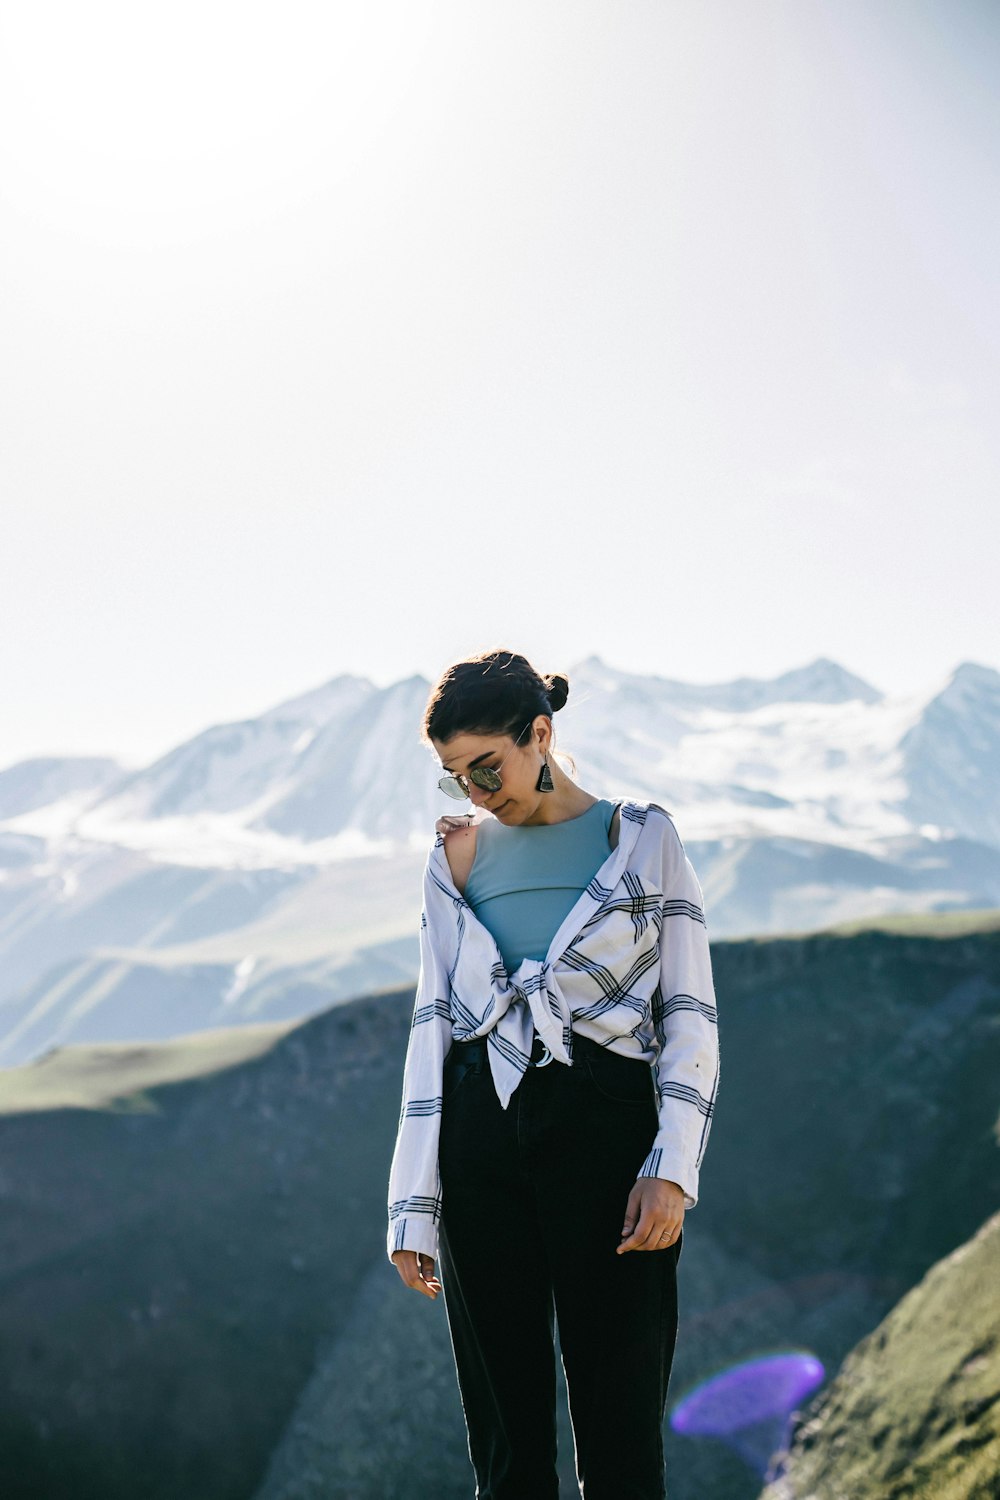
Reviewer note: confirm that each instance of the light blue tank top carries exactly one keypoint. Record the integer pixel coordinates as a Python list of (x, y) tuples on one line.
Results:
[(524, 882)]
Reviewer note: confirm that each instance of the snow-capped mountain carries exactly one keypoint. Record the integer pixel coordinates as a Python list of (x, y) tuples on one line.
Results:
[(263, 867), (950, 763), (242, 767), (45, 780), (815, 753)]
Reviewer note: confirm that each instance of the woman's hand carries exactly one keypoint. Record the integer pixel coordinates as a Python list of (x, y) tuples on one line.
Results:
[(654, 1215), (417, 1271), (453, 820)]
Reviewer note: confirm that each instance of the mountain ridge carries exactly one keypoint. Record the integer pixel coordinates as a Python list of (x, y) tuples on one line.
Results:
[(185, 1253), (264, 868), (801, 745)]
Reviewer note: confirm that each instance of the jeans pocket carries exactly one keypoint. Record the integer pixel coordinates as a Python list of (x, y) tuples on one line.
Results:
[(456, 1069), (624, 1080)]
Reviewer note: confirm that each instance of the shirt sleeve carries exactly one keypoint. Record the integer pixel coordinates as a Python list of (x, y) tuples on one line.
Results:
[(414, 1178), (685, 1021)]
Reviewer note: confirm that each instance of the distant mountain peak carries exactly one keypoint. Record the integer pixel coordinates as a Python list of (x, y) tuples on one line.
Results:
[(976, 674), (319, 704), (824, 680), (591, 663), (44, 779), (820, 681), (970, 685)]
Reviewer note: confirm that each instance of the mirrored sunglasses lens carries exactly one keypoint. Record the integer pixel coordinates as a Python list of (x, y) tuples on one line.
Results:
[(453, 788), (487, 779)]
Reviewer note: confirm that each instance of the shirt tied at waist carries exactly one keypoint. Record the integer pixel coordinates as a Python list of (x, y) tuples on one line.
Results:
[(530, 1002)]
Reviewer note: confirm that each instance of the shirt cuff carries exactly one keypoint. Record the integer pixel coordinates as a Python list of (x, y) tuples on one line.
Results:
[(413, 1234), (671, 1167)]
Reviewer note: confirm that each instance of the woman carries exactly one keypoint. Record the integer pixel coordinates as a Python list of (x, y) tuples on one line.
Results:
[(559, 1088)]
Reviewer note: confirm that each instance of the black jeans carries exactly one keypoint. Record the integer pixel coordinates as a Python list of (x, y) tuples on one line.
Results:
[(533, 1200)]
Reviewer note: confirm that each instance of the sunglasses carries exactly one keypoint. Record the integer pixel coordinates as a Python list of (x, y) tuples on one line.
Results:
[(481, 776)]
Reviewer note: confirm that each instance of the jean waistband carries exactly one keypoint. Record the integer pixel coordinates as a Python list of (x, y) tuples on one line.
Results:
[(477, 1045)]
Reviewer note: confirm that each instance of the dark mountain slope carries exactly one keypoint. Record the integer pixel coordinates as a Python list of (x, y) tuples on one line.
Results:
[(171, 1258), (187, 1245)]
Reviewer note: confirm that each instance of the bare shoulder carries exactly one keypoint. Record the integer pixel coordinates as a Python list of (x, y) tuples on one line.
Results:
[(460, 851)]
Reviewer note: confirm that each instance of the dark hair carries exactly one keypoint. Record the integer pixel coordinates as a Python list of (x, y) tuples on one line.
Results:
[(497, 692)]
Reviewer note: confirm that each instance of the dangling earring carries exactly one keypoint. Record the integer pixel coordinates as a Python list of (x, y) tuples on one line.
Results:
[(545, 782)]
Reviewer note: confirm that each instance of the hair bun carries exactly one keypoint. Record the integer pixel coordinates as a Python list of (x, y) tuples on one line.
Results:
[(557, 687)]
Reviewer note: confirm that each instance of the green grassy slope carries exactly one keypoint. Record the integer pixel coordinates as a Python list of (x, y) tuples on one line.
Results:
[(914, 1413), (112, 1075)]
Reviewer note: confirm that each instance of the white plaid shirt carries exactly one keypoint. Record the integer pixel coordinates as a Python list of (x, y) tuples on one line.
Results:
[(629, 967)]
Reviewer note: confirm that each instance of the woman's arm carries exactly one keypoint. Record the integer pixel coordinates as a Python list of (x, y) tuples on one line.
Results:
[(414, 1179), (685, 1020)]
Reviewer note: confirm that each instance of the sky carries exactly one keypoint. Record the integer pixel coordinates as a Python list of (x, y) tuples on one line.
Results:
[(342, 338)]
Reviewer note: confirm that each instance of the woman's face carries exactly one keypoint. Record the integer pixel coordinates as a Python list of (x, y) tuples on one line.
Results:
[(518, 766)]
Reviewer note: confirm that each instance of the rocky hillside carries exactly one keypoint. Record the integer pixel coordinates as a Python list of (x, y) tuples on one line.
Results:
[(914, 1413), (194, 1295)]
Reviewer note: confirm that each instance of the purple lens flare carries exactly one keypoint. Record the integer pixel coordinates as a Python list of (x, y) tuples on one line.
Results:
[(749, 1406)]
